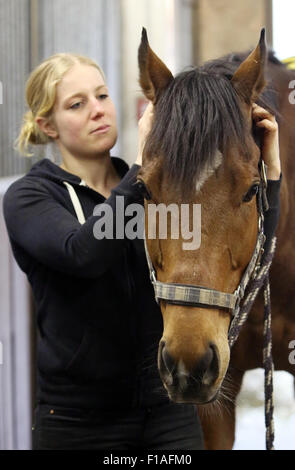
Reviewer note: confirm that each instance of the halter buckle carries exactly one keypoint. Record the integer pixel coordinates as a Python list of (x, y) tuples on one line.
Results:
[(263, 173)]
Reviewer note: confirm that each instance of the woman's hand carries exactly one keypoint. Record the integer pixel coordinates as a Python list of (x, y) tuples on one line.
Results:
[(270, 145), (144, 127)]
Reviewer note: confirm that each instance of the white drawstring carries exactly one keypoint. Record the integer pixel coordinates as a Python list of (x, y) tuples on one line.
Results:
[(76, 203)]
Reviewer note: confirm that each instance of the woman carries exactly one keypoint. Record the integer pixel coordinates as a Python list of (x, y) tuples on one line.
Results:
[(98, 384)]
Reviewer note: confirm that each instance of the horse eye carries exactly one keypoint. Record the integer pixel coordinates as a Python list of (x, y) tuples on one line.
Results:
[(143, 189), (251, 193)]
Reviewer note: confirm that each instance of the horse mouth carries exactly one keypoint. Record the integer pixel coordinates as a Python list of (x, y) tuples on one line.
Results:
[(190, 394)]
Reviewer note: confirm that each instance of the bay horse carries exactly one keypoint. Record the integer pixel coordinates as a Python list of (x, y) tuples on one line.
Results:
[(202, 149)]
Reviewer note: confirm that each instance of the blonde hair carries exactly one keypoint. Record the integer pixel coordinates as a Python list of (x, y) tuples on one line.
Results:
[(41, 95)]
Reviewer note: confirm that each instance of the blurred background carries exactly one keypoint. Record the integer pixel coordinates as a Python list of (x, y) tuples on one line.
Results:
[(182, 33)]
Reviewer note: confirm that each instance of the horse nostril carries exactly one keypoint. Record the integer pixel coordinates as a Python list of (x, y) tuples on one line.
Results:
[(212, 370), (168, 361)]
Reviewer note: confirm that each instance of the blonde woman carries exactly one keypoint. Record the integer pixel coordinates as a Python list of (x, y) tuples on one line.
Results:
[(98, 384)]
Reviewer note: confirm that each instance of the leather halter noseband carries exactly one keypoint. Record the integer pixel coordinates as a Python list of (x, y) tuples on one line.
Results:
[(199, 296)]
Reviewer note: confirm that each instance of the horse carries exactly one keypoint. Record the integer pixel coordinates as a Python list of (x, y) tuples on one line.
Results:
[(203, 149)]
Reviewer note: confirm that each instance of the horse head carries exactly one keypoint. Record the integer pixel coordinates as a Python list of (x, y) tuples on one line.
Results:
[(200, 151)]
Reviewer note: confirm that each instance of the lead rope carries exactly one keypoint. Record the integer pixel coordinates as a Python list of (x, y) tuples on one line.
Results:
[(261, 279), (268, 369)]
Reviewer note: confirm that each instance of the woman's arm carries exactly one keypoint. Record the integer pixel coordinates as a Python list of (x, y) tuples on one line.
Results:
[(40, 225), (271, 157)]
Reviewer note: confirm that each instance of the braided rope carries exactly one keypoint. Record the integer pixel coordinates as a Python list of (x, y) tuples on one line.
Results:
[(268, 369), (260, 279)]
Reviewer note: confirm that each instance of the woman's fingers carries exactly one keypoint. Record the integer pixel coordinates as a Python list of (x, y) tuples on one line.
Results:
[(145, 122), (267, 124), (144, 128), (264, 119), (270, 148), (259, 113), (148, 111)]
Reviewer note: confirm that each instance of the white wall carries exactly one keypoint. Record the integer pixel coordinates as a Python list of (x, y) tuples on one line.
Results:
[(14, 65), (15, 369), (283, 28)]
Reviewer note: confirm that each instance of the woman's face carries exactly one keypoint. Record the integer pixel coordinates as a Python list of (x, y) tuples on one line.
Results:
[(84, 115)]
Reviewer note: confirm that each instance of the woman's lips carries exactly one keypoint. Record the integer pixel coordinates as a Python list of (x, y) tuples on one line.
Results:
[(101, 130)]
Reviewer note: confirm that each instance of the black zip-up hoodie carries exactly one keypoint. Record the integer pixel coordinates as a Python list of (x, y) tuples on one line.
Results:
[(99, 323), (98, 320)]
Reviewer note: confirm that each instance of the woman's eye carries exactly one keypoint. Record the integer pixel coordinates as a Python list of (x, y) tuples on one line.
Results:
[(251, 193), (75, 105), (79, 103)]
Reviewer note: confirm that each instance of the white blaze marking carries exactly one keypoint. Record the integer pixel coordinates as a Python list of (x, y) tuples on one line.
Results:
[(208, 171)]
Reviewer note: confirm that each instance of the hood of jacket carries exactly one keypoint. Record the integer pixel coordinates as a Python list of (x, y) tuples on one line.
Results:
[(45, 168)]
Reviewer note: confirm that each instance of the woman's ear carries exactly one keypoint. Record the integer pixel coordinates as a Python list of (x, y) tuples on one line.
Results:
[(47, 126)]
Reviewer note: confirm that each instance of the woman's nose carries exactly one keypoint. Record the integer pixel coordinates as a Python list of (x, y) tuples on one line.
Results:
[(97, 108)]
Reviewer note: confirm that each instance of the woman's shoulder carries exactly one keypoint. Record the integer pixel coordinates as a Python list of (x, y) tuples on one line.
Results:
[(43, 177), (19, 195), (22, 185)]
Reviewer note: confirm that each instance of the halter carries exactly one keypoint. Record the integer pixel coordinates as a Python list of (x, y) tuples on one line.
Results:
[(254, 277)]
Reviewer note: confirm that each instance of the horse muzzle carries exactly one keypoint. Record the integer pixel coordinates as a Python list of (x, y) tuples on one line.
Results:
[(197, 385)]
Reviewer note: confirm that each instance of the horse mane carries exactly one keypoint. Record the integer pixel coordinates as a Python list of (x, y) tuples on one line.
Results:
[(196, 116), (240, 56)]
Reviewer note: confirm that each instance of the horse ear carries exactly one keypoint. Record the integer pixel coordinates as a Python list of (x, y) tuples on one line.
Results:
[(248, 80), (154, 76)]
